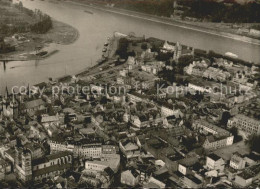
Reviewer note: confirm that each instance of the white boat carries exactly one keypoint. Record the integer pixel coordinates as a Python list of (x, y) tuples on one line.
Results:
[(230, 54)]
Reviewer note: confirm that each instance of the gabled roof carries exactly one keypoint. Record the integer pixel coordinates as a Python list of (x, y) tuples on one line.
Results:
[(34, 103), (50, 157), (188, 161), (132, 172)]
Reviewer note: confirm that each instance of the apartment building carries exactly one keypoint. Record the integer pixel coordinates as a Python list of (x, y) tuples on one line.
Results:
[(245, 123)]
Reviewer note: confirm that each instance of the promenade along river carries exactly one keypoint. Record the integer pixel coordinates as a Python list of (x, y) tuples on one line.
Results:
[(94, 30)]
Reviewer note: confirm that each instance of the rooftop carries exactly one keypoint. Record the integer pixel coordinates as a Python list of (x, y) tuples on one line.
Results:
[(250, 172), (214, 157), (50, 157), (130, 146), (194, 179), (111, 161), (215, 128), (34, 103)]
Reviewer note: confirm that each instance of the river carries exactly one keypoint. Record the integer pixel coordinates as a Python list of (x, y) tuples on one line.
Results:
[(94, 30)]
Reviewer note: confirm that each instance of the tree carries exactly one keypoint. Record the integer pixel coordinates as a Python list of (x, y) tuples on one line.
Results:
[(144, 46), (225, 117), (253, 143), (189, 142), (234, 132), (122, 48), (66, 118), (184, 61), (103, 100)]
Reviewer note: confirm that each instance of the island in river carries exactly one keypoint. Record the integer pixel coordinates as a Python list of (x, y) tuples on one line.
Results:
[(26, 37)]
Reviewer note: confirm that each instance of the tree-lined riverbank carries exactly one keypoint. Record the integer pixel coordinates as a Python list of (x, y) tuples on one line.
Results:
[(205, 27), (30, 40)]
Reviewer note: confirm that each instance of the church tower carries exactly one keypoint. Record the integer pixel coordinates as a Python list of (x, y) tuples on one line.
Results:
[(9, 106), (1, 108), (14, 108), (26, 166), (177, 51), (5, 102)]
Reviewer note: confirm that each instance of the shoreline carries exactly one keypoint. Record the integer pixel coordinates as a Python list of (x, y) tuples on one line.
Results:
[(56, 35), (168, 21)]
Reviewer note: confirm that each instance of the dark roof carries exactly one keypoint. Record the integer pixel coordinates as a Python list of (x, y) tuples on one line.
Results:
[(51, 169), (134, 172), (109, 172), (188, 161), (250, 172), (194, 179), (143, 118), (171, 117), (50, 157), (214, 157)]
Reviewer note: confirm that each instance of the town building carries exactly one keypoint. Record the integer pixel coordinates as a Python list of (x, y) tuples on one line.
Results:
[(48, 121), (34, 105), (245, 123), (84, 150), (207, 128), (214, 162), (215, 142), (88, 150), (136, 97), (237, 161), (191, 181), (130, 147), (104, 161), (247, 176), (177, 51), (52, 165), (167, 47), (130, 177)]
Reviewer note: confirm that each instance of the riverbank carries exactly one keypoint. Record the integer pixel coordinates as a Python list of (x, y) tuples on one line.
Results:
[(32, 44), (205, 28)]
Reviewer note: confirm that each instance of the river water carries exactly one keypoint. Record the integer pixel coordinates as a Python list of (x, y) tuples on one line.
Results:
[(94, 30)]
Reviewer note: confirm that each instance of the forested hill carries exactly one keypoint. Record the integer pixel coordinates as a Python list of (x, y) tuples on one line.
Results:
[(222, 12), (227, 11), (14, 18)]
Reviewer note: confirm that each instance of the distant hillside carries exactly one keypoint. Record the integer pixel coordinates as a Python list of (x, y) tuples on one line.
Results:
[(229, 11)]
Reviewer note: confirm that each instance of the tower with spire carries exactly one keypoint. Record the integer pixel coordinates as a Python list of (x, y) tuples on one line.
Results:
[(177, 51), (9, 105)]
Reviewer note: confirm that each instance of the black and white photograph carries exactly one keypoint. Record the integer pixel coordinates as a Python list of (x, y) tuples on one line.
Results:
[(130, 94)]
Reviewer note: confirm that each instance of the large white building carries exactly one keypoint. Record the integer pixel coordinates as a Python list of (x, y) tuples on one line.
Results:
[(237, 161), (86, 150), (208, 128), (246, 124), (106, 160), (214, 162)]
